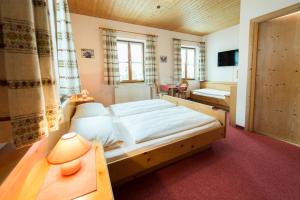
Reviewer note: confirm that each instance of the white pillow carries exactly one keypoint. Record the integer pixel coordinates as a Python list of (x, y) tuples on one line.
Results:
[(90, 110), (99, 128)]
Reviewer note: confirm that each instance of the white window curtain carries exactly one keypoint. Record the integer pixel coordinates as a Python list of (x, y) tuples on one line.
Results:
[(111, 64), (151, 72), (177, 60), (69, 82), (201, 68), (29, 104)]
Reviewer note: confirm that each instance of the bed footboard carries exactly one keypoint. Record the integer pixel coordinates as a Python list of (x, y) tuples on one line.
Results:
[(127, 169), (228, 104), (206, 109)]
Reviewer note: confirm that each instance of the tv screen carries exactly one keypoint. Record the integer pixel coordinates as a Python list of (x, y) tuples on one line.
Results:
[(228, 58)]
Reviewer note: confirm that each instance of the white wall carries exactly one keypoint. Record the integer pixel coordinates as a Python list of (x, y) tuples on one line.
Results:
[(249, 10), (87, 35), (131, 92), (223, 40)]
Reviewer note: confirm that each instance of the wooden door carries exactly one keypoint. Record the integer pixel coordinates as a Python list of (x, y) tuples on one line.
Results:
[(277, 86)]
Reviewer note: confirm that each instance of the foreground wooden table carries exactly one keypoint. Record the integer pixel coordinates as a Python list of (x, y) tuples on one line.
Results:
[(38, 173)]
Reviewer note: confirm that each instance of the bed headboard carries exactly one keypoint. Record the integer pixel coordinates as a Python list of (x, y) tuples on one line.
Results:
[(68, 109), (218, 85)]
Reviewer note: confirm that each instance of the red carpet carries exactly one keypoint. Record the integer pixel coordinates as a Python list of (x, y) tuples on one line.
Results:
[(243, 166)]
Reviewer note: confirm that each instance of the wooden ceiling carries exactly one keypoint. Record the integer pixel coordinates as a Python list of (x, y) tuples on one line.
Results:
[(199, 17)]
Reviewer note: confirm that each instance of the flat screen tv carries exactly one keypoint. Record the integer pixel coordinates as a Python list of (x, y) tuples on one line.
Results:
[(228, 58)]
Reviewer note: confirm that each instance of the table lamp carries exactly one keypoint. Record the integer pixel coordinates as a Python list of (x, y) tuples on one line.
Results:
[(68, 151), (84, 94)]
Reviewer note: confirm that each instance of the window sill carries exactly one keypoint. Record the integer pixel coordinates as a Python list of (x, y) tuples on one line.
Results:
[(188, 79), (132, 82)]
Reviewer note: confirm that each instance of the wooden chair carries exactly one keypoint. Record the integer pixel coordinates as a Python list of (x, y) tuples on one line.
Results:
[(182, 89)]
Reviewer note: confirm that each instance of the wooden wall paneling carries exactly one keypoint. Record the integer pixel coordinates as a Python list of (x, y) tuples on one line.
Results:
[(277, 79), (253, 39)]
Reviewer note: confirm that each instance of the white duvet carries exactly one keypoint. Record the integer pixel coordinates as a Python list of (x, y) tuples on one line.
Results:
[(151, 125), (136, 107), (211, 93)]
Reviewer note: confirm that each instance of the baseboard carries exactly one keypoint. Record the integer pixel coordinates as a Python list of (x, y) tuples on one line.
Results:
[(239, 127)]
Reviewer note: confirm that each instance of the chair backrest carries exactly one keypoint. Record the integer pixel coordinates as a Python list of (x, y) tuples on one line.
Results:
[(183, 85)]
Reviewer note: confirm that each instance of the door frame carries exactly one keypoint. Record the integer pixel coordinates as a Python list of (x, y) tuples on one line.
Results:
[(252, 63)]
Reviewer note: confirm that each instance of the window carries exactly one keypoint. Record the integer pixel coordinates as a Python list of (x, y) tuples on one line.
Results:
[(188, 63), (131, 61)]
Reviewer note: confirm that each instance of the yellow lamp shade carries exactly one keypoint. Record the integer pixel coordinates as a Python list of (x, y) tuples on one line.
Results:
[(71, 146)]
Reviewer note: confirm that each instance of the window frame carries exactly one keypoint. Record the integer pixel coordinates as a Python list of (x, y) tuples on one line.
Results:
[(195, 63), (130, 62)]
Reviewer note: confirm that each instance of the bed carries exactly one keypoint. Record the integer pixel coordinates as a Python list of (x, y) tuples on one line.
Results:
[(208, 92), (218, 94), (157, 132)]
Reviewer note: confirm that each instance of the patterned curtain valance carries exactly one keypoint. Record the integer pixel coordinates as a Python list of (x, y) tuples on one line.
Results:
[(201, 73), (69, 82), (29, 105), (111, 63), (151, 72), (177, 60)]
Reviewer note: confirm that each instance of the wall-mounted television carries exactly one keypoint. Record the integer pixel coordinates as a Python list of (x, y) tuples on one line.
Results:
[(228, 58)]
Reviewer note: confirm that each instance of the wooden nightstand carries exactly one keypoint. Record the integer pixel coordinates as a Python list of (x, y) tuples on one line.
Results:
[(35, 179), (80, 100)]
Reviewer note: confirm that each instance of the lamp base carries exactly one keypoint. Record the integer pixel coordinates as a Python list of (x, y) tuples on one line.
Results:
[(71, 167)]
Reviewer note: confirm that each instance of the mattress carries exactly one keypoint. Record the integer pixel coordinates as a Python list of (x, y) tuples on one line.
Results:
[(160, 123), (136, 107), (130, 148), (219, 94)]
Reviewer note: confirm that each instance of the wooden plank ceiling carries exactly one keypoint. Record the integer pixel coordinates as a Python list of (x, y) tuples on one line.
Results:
[(199, 17)]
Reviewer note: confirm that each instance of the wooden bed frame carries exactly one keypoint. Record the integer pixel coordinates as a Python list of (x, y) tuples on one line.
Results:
[(228, 104), (128, 168)]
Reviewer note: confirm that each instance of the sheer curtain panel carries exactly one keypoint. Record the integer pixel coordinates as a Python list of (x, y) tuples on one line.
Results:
[(69, 82)]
